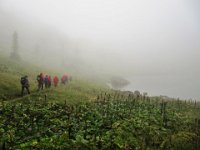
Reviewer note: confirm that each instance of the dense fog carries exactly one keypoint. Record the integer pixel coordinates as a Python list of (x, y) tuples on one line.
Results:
[(153, 44)]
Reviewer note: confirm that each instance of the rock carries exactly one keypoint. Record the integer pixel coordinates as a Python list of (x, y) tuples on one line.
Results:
[(118, 82)]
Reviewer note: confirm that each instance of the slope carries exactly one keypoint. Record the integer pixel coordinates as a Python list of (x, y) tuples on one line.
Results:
[(10, 88)]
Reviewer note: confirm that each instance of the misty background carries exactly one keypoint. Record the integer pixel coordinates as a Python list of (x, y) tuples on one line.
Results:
[(153, 44)]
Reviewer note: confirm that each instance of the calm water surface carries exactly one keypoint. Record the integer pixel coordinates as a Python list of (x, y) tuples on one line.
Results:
[(172, 86)]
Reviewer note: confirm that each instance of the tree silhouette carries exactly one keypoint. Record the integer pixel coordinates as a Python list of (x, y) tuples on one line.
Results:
[(15, 54)]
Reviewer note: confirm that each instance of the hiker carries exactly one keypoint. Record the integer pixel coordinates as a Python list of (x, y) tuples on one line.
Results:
[(46, 81), (40, 79), (55, 81), (64, 79), (25, 84), (49, 81)]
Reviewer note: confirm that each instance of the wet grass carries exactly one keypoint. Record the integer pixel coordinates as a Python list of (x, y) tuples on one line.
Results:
[(10, 88)]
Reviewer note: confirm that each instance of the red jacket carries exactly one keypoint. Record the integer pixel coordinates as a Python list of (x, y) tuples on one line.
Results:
[(64, 78), (49, 78), (55, 79)]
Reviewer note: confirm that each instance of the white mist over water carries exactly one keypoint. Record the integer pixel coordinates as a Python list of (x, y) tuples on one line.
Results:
[(173, 86), (155, 44)]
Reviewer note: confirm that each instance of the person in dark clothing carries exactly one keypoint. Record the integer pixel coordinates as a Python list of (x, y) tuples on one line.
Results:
[(40, 79), (46, 81), (25, 85)]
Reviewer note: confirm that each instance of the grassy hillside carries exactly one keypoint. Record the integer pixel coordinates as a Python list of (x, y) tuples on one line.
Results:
[(10, 87), (10, 74), (87, 115)]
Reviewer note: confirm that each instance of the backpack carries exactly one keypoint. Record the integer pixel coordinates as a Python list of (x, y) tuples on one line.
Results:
[(23, 80), (46, 79), (38, 78)]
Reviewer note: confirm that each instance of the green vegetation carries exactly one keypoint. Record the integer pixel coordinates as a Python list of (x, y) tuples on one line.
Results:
[(11, 72), (112, 121), (88, 115)]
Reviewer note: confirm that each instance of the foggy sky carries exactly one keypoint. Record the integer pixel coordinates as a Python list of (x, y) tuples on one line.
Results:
[(146, 38)]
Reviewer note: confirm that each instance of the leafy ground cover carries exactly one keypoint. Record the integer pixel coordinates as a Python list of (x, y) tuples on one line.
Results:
[(112, 121), (88, 115)]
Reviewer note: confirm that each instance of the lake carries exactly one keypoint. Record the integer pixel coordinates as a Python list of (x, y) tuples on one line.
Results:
[(184, 87)]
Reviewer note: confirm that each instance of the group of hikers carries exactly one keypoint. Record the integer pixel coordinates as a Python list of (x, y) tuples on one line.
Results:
[(43, 81)]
